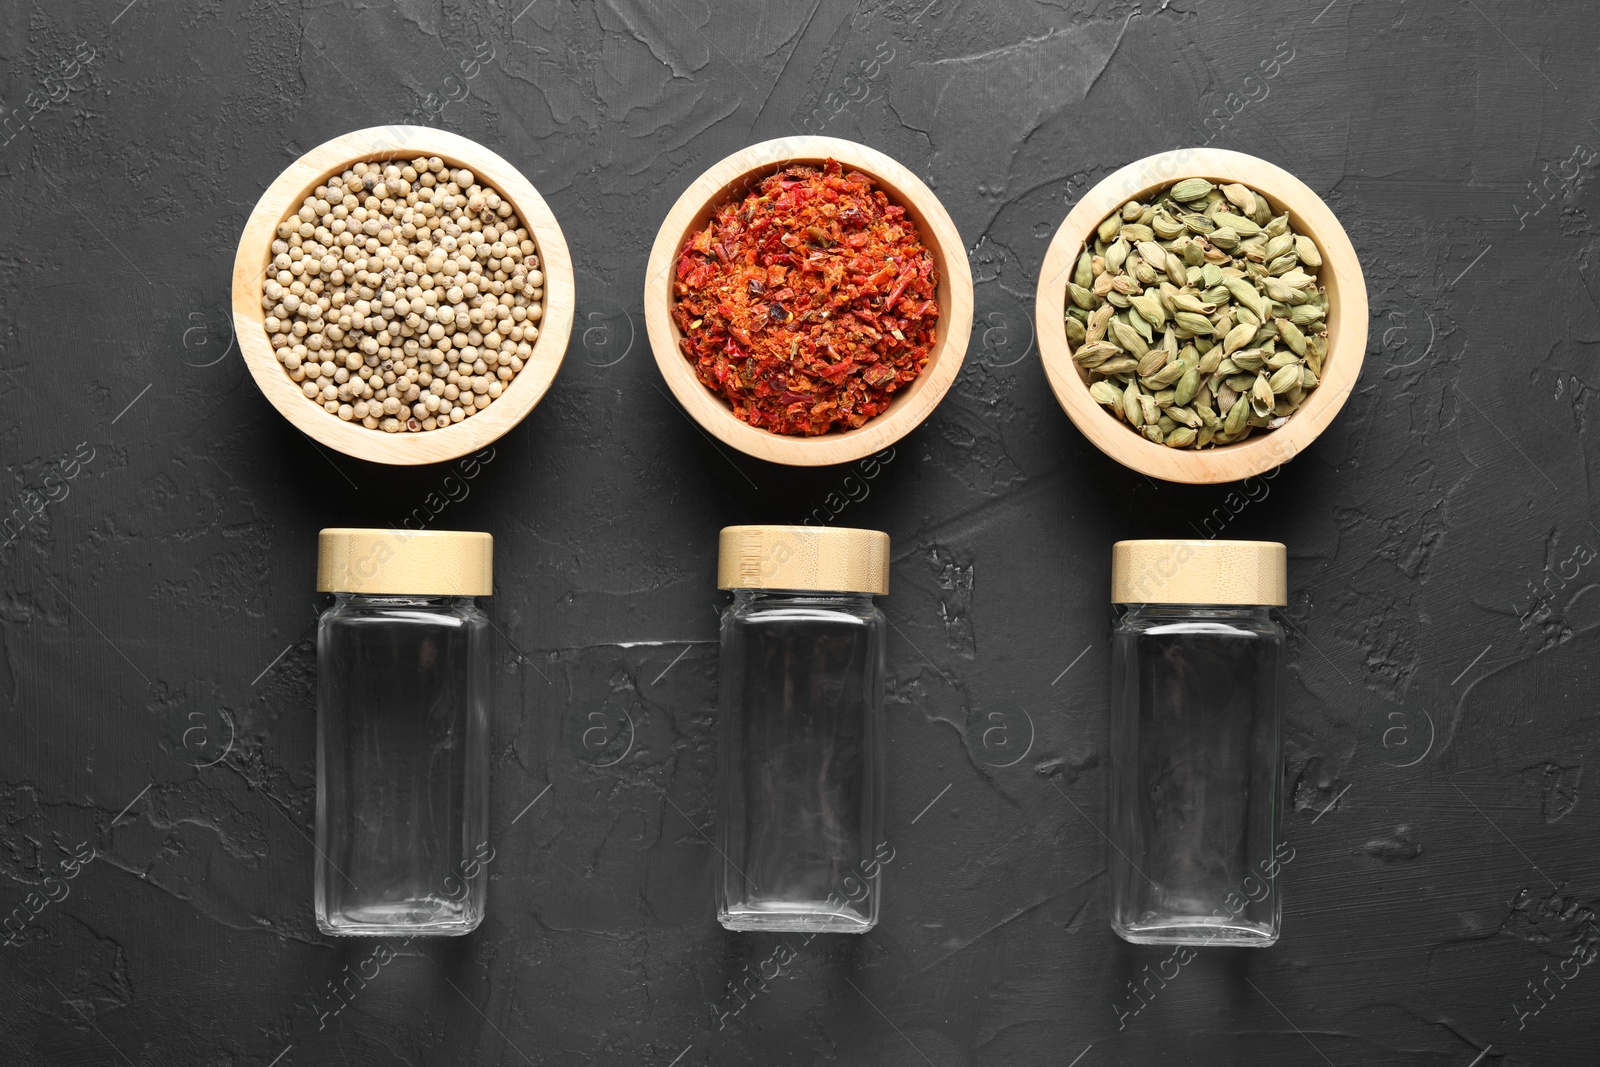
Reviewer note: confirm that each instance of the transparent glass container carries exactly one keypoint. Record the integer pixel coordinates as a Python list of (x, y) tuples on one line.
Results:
[(800, 804), (402, 765), (1196, 761), (800, 800), (1197, 741)]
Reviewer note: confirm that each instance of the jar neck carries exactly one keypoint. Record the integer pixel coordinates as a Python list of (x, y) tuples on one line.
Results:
[(401, 600), (1256, 612), (774, 596)]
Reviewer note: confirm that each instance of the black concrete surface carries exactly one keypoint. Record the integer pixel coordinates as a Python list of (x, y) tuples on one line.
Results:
[(157, 759)]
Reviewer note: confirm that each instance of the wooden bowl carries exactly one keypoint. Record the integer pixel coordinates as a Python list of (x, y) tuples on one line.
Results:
[(1340, 275), (737, 176), (401, 143)]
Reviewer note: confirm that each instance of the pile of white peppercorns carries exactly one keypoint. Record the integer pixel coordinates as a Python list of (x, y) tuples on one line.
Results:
[(403, 296)]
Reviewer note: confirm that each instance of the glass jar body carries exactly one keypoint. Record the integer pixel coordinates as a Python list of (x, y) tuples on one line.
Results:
[(1196, 746), (800, 800), (402, 765)]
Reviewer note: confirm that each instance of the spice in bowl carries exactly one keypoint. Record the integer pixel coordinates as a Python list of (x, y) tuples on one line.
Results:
[(1198, 316), (403, 296), (809, 303)]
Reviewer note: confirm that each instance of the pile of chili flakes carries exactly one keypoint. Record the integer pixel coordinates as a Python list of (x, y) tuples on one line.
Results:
[(809, 303)]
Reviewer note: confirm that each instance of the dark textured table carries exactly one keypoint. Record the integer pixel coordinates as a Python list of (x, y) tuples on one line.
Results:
[(158, 603)]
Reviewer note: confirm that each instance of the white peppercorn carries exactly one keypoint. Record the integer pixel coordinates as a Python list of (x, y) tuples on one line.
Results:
[(388, 274)]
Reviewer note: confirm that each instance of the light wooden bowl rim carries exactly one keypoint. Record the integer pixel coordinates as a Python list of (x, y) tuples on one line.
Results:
[(402, 143), (1340, 274), (911, 406)]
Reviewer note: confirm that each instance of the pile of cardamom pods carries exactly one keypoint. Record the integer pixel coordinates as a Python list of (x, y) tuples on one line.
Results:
[(1198, 316)]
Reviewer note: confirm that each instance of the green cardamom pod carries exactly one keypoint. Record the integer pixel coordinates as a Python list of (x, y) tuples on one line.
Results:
[(1283, 265), (1282, 291), (1167, 375), (1213, 331), (1106, 393), (1142, 325), (1149, 305), (1152, 361), (1083, 274), (1182, 437), (1190, 189), (1236, 416), (1132, 410), (1184, 417), (1240, 197), (1306, 314), (1242, 225), (1116, 255), (1277, 246), (1165, 226), (1098, 318), (1284, 379), (1246, 295), (1148, 409), (1261, 400), (1225, 237), (1128, 338), (1095, 353), (1188, 383), (1249, 360), (1238, 337), (1292, 335)]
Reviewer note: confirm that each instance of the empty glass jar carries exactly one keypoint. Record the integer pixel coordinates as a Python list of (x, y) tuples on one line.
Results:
[(1197, 664), (799, 816), (402, 723)]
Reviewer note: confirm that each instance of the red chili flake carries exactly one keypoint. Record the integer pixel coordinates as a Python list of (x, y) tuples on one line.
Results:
[(809, 303)]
